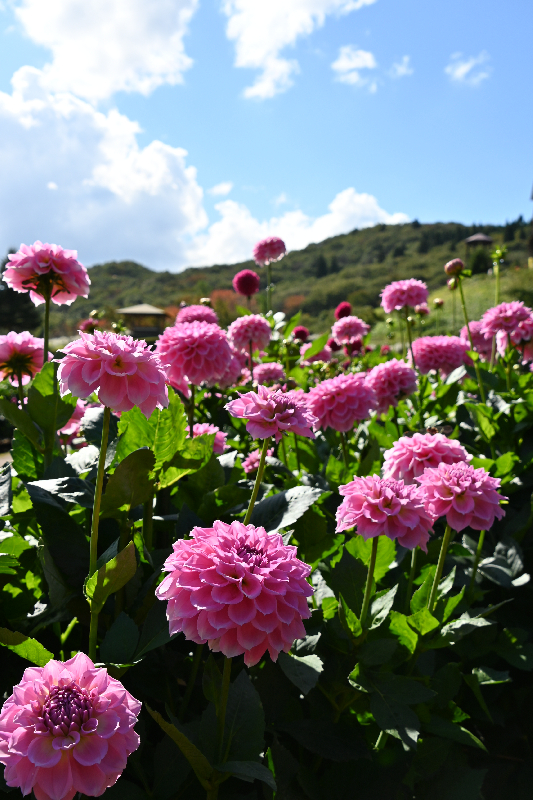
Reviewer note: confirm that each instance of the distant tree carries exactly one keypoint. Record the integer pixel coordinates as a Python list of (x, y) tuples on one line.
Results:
[(415, 224), (17, 312), (334, 266), (508, 232), (424, 243), (480, 261), (321, 267), (399, 250)]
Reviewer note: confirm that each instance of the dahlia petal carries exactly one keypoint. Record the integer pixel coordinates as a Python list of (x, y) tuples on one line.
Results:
[(90, 750), (41, 752), (56, 782), (242, 612), (90, 780), (108, 722)]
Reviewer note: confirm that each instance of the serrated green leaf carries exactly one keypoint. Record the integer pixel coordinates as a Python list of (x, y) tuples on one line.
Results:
[(423, 622), (111, 577), (439, 726), (381, 605), (25, 647), (303, 671), (130, 485), (420, 598), (400, 628)]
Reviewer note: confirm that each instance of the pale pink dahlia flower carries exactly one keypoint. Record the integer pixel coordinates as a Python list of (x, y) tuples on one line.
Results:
[(246, 282), (270, 249), (399, 294), (480, 342), (21, 355), (391, 381), (124, 371), (269, 372), (67, 728), (378, 506), (219, 445), (444, 353), (252, 328), (194, 352), (505, 317), (466, 496), (339, 402), (197, 314), (411, 455), (72, 428), (348, 330), (251, 462), (47, 269), (272, 413), (322, 355)]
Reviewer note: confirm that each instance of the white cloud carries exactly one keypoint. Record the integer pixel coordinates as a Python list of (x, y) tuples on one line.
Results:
[(281, 199), (52, 185), (221, 188), (470, 71), (402, 68), (261, 29), (349, 64), (104, 46)]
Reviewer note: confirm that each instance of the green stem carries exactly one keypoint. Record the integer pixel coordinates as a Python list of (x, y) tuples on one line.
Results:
[(381, 740), (20, 389), (496, 268), (190, 412), (93, 557), (410, 582), (344, 448), (440, 567), (477, 559), (297, 449), (269, 287), (284, 451), (258, 479), (148, 522), (46, 327), (493, 353), (454, 317), (476, 365), (395, 417), (410, 338), (369, 580), (400, 323), (221, 719), (197, 660)]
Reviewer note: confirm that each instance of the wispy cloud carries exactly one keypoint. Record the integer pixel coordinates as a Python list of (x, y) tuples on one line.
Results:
[(470, 71), (221, 189), (281, 199), (349, 64), (402, 68)]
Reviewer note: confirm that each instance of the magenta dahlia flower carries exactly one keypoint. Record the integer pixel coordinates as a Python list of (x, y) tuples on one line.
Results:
[(333, 345), (197, 314), (246, 282), (21, 356), (252, 328), (454, 267), (219, 445), (47, 270), (391, 381), (348, 330), (480, 342), (505, 317), (300, 333), (271, 413), (411, 455), (444, 353), (268, 250), (399, 294), (344, 309), (466, 496), (124, 370), (378, 506), (269, 372), (67, 728), (322, 355), (251, 462), (194, 352), (89, 325), (339, 402)]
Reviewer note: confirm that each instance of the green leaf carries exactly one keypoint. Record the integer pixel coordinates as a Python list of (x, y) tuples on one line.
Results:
[(111, 577), (120, 641), (381, 605), (451, 604), (45, 406), (291, 324), (27, 460), (72, 490), (378, 651), (317, 345), (400, 628), (395, 718), (193, 456), (27, 648), (21, 420), (473, 683), (511, 646), (446, 584), (212, 682), (201, 766), (439, 726), (303, 671), (249, 771), (349, 619), (359, 548), (8, 564), (505, 464), (245, 721), (93, 423), (155, 632), (489, 677), (170, 430), (284, 508), (130, 484), (420, 598), (423, 622), (480, 414)]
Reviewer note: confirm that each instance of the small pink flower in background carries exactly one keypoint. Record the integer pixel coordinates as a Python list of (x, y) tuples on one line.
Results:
[(322, 355), (20, 353), (400, 294), (377, 507), (339, 402), (41, 268), (384, 350), (73, 427), (197, 314), (268, 372), (454, 267), (466, 496), (411, 455), (251, 328), (251, 462), (238, 588), (272, 413), (444, 353), (219, 445), (422, 309), (89, 325), (438, 302), (194, 352), (334, 345), (246, 282), (67, 728), (349, 330), (481, 343), (344, 309), (124, 371), (300, 333), (268, 250), (505, 317), (391, 381)]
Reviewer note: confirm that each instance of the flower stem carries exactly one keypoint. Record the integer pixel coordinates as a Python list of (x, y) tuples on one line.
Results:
[(93, 632), (477, 559), (190, 412), (476, 365), (297, 449), (20, 388), (496, 269), (269, 287), (410, 582), (197, 660), (344, 449), (284, 451), (440, 567), (395, 417), (46, 327), (221, 719), (369, 580), (258, 479)]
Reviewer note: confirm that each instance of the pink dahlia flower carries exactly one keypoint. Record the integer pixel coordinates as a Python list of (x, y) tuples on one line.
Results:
[(480, 342), (89, 325), (344, 309), (422, 309), (269, 372), (194, 352), (21, 355), (67, 728), (272, 413), (197, 314), (238, 588), (444, 353), (219, 445), (400, 294), (246, 282), (322, 355), (47, 269), (251, 462), (73, 427), (252, 328), (466, 496), (519, 337), (411, 455), (300, 333), (124, 370), (268, 250), (348, 330), (378, 506), (391, 381), (339, 402), (333, 345), (384, 349), (505, 317)]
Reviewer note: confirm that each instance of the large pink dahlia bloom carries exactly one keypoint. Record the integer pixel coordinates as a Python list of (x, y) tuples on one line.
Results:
[(194, 352), (349, 329), (270, 249), (238, 588), (391, 381), (67, 728), (21, 355), (480, 342), (399, 294), (246, 282), (444, 353), (378, 506), (252, 328), (124, 371), (322, 355), (41, 269), (409, 456), (251, 462), (219, 445), (269, 372), (505, 317), (339, 402), (197, 314), (272, 413), (466, 496)]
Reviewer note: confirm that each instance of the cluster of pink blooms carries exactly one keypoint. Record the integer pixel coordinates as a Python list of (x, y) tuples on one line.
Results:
[(251, 462), (480, 342), (197, 314), (348, 330), (402, 294), (391, 381), (505, 317), (219, 445), (270, 249), (41, 269), (339, 402), (194, 352), (444, 353), (268, 372), (124, 371), (322, 355), (67, 728), (344, 309), (273, 413), (300, 333), (251, 328), (411, 455), (246, 282), (21, 355)]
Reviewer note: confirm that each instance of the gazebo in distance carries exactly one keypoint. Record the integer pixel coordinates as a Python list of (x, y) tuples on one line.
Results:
[(144, 321), (477, 240)]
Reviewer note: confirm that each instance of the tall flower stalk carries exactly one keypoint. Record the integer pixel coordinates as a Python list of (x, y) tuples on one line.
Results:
[(258, 479), (440, 566), (369, 581), (93, 557), (467, 323)]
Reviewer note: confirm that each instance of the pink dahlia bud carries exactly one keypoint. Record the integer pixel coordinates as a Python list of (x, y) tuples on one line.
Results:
[(46, 270), (400, 294), (444, 353), (378, 507), (454, 267), (422, 309), (89, 325), (21, 357), (391, 381), (202, 313), (344, 309), (505, 317), (219, 445), (73, 426), (384, 350), (339, 402), (300, 333), (466, 496), (238, 588), (246, 282), (252, 328), (334, 345), (269, 372), (273, 413), (124, 371), (268, 250), (322, 355), (349, 329), (480, 342), (411, 455), (452, 284), (251, 462), (438, 302), (67, 728), (194, 352)]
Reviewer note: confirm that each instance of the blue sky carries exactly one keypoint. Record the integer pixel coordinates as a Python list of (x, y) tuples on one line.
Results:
[(178, 132)]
